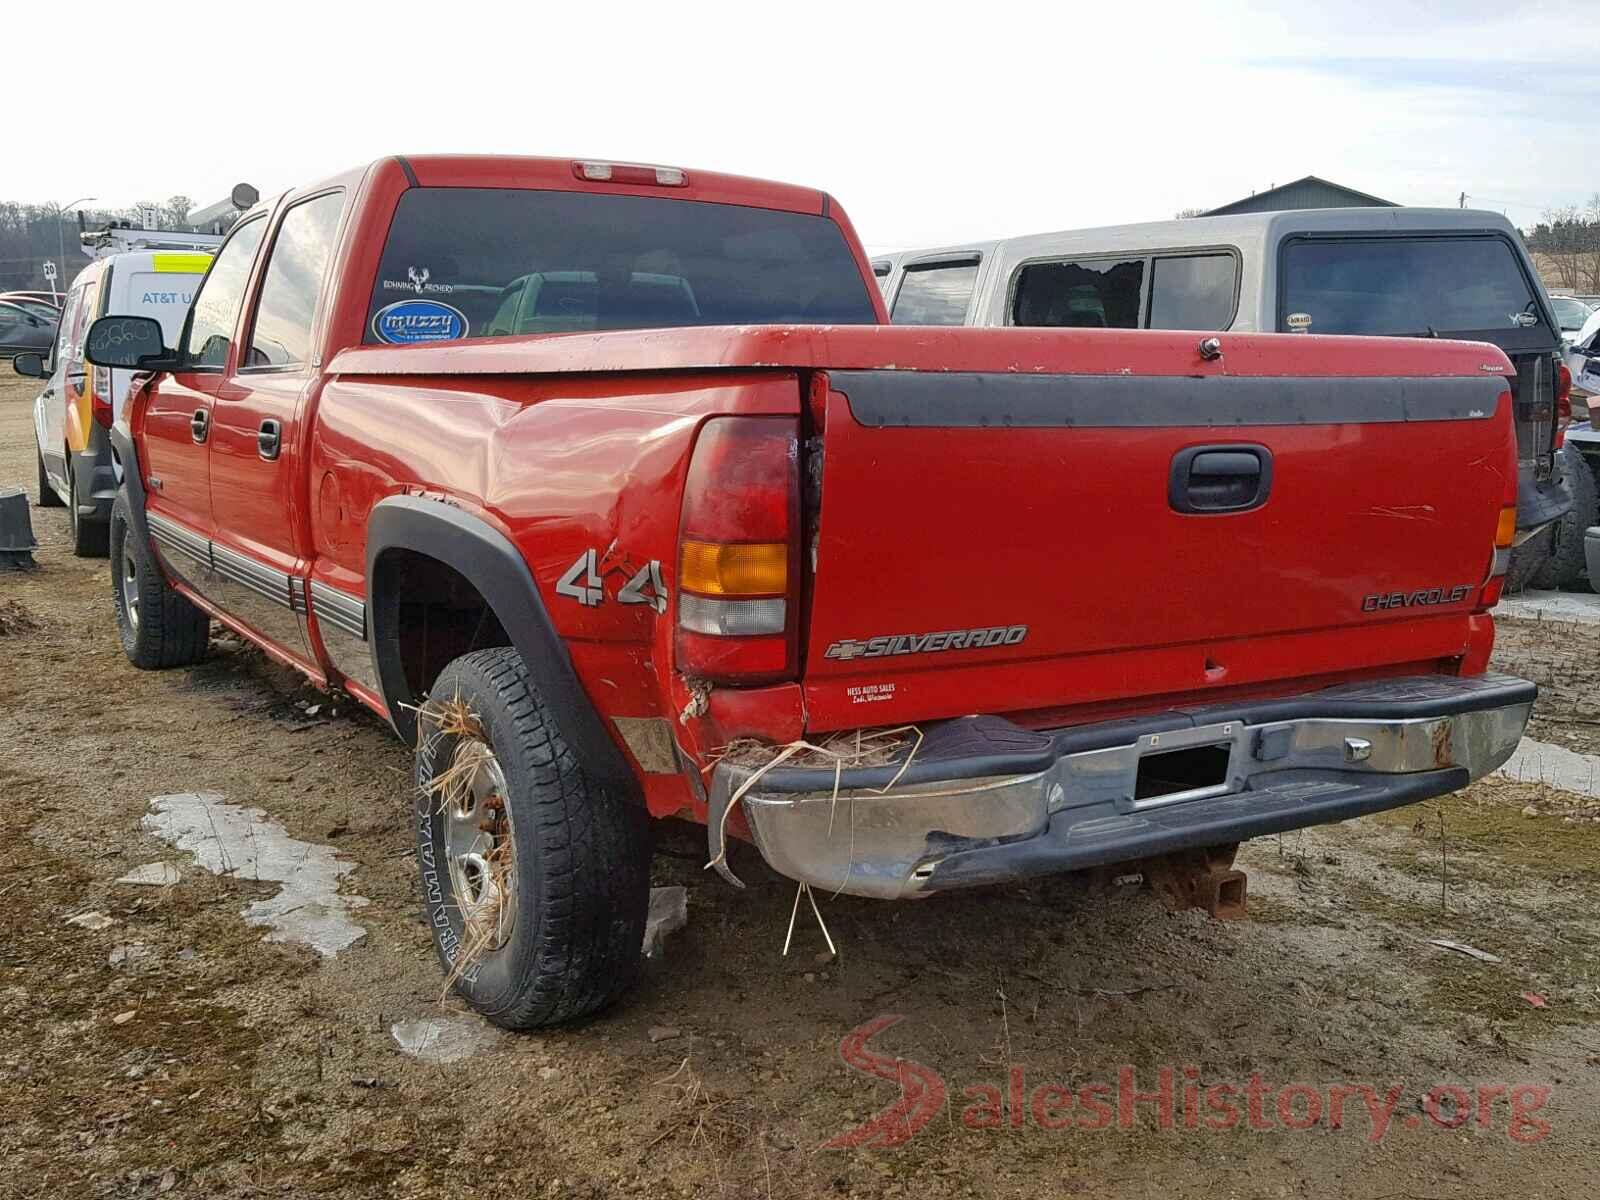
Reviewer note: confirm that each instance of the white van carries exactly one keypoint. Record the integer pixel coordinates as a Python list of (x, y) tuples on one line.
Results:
[(79, 403)]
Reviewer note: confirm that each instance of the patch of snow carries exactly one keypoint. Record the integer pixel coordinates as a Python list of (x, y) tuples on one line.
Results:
[(669, 912), (92, 921), (229, 840), (442, 1039), (1541, 762), (159, 874), (1551, 606)]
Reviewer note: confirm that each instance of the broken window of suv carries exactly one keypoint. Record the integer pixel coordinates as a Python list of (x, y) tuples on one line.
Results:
[(481, 262), (1100, 293)]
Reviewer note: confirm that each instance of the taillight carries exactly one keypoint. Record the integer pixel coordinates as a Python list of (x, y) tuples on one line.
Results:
[(738, 552), (100, 397), (1505, 533), (1505, 529), (1563, 403)]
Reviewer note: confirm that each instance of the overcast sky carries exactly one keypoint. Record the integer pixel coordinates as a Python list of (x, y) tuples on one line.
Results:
[(931, 123)]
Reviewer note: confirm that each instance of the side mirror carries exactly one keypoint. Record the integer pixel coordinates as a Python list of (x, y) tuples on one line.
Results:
[(131, 342), (31, 365)]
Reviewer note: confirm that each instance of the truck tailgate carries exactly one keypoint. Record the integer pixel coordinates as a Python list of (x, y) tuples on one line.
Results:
[(1008, 542)]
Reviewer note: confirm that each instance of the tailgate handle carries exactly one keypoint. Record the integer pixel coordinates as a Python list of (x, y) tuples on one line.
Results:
[(1220, 479)]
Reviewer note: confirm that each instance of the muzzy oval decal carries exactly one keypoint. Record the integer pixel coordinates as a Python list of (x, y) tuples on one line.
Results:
[(408, 321)]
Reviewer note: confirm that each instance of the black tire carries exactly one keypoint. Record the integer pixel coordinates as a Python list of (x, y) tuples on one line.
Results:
[(90, 539), (47, 493), (1527, 560), (581, 857), (1565, 568), (165, 629)]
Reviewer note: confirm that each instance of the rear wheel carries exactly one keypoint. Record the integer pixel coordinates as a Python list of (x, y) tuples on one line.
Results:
[(1565, 568), (47, 491), (90, 539), (535, 880), (159, 627), (1528, 559)]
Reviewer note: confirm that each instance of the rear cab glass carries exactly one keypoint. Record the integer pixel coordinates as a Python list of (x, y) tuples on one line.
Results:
[(935, 293), (484, 262), (1187, 290), (1471, 287)]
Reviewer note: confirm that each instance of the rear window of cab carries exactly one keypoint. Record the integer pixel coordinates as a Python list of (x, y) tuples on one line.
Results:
[(486, 262)]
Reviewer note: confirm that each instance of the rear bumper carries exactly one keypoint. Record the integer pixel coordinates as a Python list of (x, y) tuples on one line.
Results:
[(985, 800)]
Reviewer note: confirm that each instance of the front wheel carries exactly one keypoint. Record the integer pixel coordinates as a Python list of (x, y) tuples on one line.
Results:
[(535, 879), (159, 626)]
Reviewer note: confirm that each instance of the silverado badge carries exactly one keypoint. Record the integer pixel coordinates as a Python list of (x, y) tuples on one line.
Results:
[(926, 643)]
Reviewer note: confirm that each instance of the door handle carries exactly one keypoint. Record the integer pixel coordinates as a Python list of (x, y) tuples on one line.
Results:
[(269, 440), (200, 425), (1220, 479)]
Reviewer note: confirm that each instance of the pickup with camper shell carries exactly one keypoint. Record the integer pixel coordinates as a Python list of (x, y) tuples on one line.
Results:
[(1388, 272), (609, 485)]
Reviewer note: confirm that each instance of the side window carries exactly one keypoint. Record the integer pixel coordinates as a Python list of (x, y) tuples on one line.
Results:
[(1193, 291), (935, 293), (69, 320), (88, 304), (281, 334), (1093, 294), (216, 308)]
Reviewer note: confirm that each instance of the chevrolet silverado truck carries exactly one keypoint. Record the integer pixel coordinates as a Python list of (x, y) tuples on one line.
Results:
[(1092, 596)]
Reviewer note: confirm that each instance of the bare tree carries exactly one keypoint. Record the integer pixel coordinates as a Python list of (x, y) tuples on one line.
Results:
[(176, 213)]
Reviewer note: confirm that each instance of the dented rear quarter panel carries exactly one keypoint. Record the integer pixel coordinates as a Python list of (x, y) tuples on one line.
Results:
[(560, 465)]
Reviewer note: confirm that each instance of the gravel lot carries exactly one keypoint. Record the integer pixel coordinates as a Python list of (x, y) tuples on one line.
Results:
[(178, 1051)]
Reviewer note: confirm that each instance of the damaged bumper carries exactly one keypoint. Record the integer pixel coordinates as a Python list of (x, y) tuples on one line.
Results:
[(985, 800)]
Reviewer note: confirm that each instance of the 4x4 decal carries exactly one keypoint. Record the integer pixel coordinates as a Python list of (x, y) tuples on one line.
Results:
[(584, 581)]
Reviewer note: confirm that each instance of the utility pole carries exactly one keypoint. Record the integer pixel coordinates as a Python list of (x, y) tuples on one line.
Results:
[(1462, 203), (61, 241)]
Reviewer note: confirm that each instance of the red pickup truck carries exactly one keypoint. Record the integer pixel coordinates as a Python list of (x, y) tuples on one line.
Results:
[(608, 485)]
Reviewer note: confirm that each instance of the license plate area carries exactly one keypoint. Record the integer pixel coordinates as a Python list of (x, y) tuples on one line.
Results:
[(1185, 764)]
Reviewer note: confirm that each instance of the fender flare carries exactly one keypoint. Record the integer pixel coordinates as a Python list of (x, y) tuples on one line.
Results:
[(132, 478), (488, 560)]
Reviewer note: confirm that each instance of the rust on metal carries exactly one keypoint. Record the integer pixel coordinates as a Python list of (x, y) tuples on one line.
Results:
[(1204, 879)]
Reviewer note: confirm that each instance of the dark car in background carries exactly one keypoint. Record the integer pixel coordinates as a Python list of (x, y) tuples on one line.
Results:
[(22, 330), (39, 308), (54, 300)]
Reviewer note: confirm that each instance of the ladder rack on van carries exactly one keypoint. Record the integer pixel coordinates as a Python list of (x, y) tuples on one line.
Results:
[(117, 239)]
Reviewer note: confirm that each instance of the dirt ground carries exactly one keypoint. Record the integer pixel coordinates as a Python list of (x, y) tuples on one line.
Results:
[(253, 1068)]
